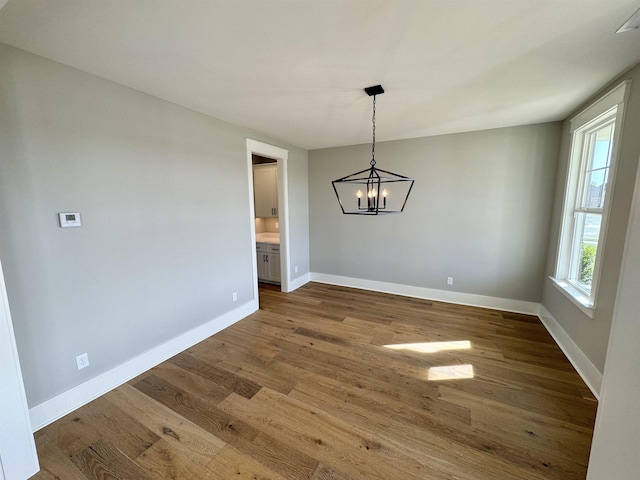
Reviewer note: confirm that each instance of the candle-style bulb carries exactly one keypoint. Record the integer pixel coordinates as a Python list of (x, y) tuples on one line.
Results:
[(385, 193)]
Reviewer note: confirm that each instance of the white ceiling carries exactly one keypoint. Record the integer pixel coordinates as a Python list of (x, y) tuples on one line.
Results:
[(294, 70)]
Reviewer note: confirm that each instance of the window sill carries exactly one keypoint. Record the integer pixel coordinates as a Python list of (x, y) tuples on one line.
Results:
[(578, 298)]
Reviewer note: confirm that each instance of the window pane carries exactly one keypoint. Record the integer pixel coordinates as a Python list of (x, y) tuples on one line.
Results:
[(585, 249), (601, 151), (595, 187), (591, 228), (598, 148)]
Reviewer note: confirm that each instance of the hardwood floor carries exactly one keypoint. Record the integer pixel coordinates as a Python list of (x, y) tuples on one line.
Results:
[(335, 383)]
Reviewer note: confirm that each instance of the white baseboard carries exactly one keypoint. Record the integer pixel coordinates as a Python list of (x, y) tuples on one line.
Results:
[(518, 306), (60, 405), (300, 281), (587, 370)]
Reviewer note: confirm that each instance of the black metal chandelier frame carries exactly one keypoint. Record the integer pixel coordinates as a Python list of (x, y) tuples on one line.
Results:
[(373, 179)]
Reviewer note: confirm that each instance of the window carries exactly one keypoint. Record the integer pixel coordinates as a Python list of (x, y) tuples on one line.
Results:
[(588, 210), (594, 134)]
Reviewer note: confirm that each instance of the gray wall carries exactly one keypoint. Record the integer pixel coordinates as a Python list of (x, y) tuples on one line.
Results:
[(479, 212), (591, 335), (164, 198), (298, 213)]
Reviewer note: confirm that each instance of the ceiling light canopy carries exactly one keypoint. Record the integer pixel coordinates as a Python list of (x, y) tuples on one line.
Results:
[(373, 191)]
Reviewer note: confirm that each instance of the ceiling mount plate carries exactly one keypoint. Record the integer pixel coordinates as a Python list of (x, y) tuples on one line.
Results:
[(374, 90)]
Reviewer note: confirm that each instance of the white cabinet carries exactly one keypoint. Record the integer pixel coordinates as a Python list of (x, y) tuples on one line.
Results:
[(268, 256), (265, 190)]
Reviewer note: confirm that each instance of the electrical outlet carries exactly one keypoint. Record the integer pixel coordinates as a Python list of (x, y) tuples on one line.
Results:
[(82, 361), (235, 296), (295, 269), (449, 280), (277, 225)]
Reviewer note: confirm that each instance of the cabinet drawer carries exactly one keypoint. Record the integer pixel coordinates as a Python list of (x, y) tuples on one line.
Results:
[(261, 247), (273, 248)]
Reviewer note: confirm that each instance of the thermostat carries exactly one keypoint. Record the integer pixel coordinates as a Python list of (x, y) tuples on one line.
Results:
[(69, 219)]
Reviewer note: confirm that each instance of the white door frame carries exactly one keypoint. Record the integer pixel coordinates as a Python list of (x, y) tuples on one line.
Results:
[(281, 155), (18, 456)]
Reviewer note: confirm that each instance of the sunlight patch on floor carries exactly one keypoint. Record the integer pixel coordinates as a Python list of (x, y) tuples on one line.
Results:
[(450, 372), (431, 347)]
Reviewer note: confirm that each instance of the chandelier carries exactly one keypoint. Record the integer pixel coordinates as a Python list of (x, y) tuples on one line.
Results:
[(373, 191)]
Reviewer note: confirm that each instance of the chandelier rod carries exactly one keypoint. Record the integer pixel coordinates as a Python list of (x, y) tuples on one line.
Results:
[(373, 143)]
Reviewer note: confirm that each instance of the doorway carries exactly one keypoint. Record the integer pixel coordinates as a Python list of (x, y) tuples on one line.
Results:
[(263, 153)]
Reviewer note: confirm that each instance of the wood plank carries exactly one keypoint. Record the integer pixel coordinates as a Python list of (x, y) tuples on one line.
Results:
[(518, 425), (54, 464), (72, 433), (454, 441), (326, 473), (196, 385), (258, 371), (322, 436), (104, 460), (119, 428), (576, 411), (229, 428), (207, 415), (219, 376), (271, 452), (163, 461), (191, 441), (231, 463)]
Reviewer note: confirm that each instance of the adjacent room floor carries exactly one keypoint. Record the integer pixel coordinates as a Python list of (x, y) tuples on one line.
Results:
[(336, 383)]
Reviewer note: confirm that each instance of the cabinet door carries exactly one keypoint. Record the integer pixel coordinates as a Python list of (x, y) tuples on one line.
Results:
[(274, 267), (263, 266), (265, 190)]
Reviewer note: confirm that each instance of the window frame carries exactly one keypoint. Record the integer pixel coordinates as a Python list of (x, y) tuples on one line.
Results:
[(584, 136), (585, 123)]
